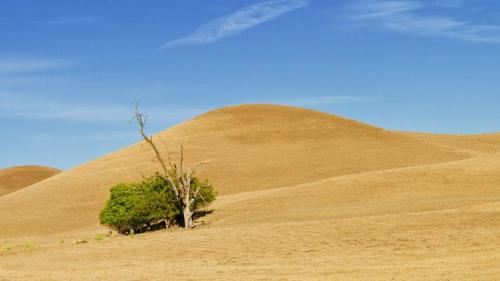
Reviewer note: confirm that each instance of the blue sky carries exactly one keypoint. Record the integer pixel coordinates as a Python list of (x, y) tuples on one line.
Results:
[(70, 71)]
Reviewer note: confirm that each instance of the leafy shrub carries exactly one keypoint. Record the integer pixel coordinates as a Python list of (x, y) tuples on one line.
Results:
[(206, 196), (120, 210), (135, 207), (132, 207)]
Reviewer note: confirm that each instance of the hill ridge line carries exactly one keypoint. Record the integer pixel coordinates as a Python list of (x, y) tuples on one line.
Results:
[(258, 193)]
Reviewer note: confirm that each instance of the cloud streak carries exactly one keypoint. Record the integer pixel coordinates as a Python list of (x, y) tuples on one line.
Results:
[(421, 18), (63, 21), (322, 100), (32, 108), (78, 138), (237, 22), (29, 107), (16, 65)]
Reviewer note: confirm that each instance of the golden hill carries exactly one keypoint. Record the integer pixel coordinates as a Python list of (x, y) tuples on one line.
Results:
[(303, 195), (252, 147), (12, 179)]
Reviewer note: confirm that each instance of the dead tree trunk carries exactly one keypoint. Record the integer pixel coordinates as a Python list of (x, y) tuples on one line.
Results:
[(179, 180), (188, 218)]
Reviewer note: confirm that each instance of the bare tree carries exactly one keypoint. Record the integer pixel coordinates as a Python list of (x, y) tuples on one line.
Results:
[(179, 178)]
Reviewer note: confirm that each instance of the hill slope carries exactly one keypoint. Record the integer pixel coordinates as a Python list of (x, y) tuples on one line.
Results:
[(304, 195), (12, 179), (252, 147)]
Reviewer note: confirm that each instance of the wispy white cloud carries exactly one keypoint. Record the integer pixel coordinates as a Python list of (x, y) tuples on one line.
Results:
[(89, 137), (16, 65), (238, 22), (322, 100), (450, 3), (364, 10), (421, 18), (63, 21), (29, 107)]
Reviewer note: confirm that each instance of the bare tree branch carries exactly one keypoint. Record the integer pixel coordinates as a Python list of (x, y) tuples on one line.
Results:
[(195, 166), (173, 174), (141, 121)]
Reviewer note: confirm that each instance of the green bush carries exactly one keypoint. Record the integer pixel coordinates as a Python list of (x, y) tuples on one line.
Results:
[(132, 207), (207, 193)]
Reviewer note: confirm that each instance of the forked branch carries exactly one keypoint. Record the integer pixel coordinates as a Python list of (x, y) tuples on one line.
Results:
[(179, 180), (141, 121)]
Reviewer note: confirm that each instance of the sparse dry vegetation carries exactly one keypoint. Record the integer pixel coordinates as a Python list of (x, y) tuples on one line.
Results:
[(29, 245), (5, 247), (99, 236)]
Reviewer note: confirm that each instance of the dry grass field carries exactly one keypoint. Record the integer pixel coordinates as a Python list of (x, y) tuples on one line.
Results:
[(302, 195)]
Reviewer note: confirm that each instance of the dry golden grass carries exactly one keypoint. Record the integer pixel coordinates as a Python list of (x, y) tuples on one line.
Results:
[(12, 179), (303, 195)]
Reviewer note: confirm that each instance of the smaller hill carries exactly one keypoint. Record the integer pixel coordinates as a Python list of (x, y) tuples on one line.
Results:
[(15, 178)]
